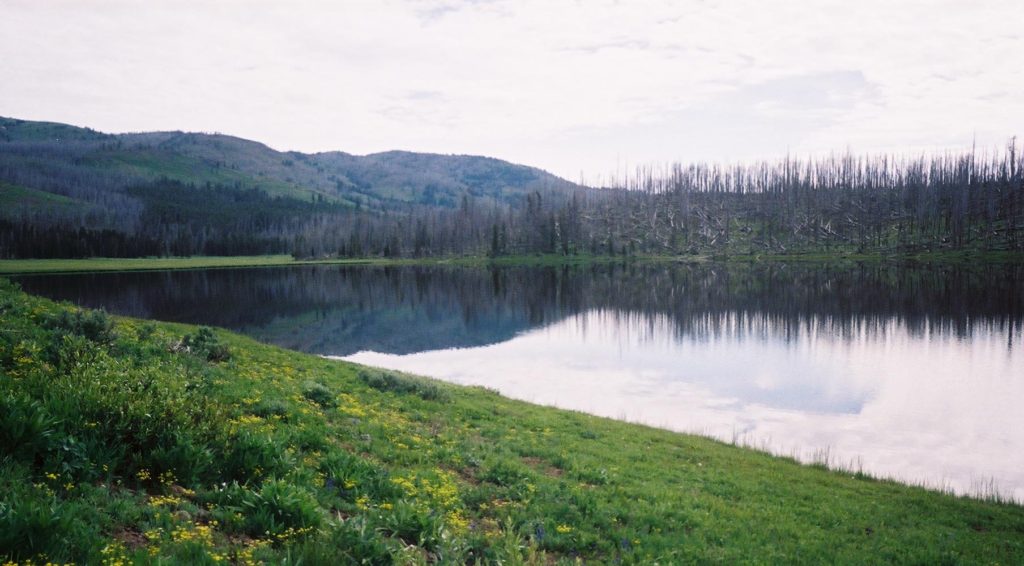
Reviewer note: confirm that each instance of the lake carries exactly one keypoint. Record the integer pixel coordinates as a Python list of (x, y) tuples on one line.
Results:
[(909, 372)]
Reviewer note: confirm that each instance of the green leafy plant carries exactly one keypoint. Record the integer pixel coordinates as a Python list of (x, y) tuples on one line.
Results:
[(318, 393), (96, 325), (389, 381), (205, 344), (280, 507)]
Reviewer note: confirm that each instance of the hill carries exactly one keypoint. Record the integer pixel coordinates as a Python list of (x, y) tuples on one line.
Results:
[(74, 192), (40, 155)]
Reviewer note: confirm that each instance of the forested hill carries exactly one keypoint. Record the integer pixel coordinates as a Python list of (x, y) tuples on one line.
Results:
[(38, 155), (73, 192), (164, 190)]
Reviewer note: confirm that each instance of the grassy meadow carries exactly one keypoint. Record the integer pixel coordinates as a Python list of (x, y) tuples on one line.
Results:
[(135, 442), (28, 266), (23, 266)]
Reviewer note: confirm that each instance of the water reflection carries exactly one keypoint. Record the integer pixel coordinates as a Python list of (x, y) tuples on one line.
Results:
[(923, 407), (339, 310), (911, 372)]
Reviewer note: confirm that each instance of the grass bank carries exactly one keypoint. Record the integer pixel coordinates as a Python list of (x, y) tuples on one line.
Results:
[(127, 441), (943, 256), (11, 266), (27, 266)]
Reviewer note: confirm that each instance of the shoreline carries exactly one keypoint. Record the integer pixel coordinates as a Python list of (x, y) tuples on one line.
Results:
[(96, 265), (981, 488), (343, 449)]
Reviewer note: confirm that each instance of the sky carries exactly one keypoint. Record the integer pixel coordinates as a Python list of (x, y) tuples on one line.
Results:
[(584, 89)]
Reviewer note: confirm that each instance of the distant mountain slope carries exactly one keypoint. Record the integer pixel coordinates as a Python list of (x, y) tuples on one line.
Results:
[(94, 167), (434, 179), (28, 131)]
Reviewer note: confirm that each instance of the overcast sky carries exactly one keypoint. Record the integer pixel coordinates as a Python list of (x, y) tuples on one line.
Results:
[(571, 87)]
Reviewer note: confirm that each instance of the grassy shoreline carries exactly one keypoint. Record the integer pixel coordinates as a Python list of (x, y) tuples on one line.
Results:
[(130, 441), (30, 266)]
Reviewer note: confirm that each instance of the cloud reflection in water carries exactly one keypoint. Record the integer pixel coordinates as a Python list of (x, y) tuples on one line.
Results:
[(919, 405)]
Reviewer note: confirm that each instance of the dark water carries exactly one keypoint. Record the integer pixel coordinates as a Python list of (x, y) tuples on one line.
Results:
[(910, 372)]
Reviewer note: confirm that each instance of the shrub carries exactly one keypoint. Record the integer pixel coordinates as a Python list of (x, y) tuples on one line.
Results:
[(146, 331), (95, 325), (205, 344), (318, 393), (271, 408), (387, 381)]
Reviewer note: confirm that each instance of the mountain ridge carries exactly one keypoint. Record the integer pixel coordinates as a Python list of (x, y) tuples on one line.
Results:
[(379, 180)]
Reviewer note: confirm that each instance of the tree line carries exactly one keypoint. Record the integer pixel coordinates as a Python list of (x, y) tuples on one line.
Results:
[(839, 203)]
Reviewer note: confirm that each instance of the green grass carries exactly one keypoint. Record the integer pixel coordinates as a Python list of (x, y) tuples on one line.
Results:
[(127, 441), (137, 264), (26, 130), (13, 197), (25, 266), (157, 164), (937, 256)]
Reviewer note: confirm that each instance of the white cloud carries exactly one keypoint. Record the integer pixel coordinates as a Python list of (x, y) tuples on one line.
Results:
[(568, 86)]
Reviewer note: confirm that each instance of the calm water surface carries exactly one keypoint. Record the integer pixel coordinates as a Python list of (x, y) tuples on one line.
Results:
[(909, 372)]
